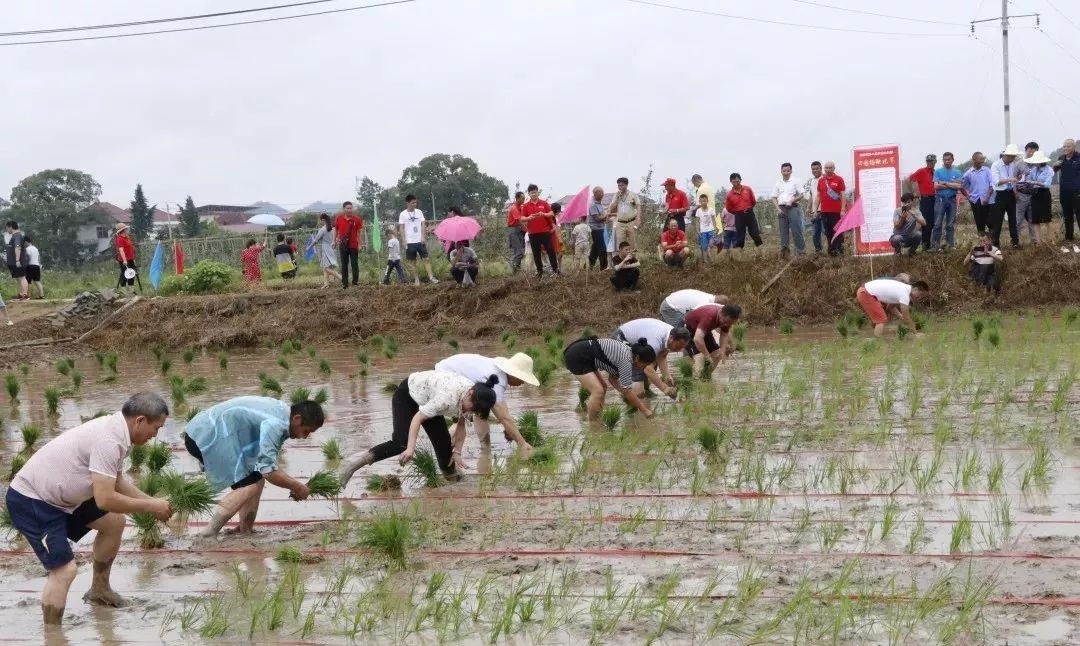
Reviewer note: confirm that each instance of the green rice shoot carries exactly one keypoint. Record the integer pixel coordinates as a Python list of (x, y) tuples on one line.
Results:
[(158, 457), (321, 396), (138, 456), (610, 417), (426, 469), (390, 535), (52, 401), (379, 483), (31, 433), (18, 461), (11, 382), (324, 484), (529, 427), (331, 449), (299, 395), (190, 497)]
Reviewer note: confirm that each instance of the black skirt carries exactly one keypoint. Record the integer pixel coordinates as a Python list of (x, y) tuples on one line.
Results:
[(1040, 206), (580, 357)]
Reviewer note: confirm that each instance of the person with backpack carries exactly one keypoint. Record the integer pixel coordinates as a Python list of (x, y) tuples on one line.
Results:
[(17, 258)]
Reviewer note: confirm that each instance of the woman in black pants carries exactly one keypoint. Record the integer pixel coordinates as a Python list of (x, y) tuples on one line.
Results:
[(426, 399), (588, 357)]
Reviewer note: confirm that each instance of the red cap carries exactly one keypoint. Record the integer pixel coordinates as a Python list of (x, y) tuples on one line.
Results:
[(669, 182)]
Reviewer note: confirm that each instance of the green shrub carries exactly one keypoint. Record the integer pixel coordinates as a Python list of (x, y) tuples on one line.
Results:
[(206, 277)]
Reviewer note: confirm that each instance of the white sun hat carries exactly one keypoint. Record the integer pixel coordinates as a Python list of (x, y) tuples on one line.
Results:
[(519, 366), (1037, 158), (1011, 149)]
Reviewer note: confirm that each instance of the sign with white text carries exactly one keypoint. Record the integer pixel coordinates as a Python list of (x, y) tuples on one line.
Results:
[(877, 181)]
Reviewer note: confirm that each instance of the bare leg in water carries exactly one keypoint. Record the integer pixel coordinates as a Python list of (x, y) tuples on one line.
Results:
[(244, 501), (110, 529)]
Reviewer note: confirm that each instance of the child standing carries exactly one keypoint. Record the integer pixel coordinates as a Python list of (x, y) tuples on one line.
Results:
[(582, 237), (393, 258), (286, 261), (727, 220), (706, 219), (33, 267)]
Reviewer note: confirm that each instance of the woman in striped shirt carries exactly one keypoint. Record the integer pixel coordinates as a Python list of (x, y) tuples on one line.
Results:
[(587, 358)]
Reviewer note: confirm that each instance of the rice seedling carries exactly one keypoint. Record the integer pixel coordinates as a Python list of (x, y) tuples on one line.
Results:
[(426, 469), (52, 401), (283, 363), (390, 387), (582, 397), (529, 427), (64, 366), (18, 461), (993, 337), (148, 531), (191, 413), (978, 326), (299, 395), (30, 436), (842, 329), (920, 320), (902, 332), (917, 535), (544, 369), (269, 385), (188, 355), (138, 455), (157, 457), (223, 360), (544, 456), (610, 417), (961, 532), (321, 396), (177, 390), (76, 380), (6, 526), (12, 384), (331, 449), (24, 369), (324, 484), (324, 367), (379, 483), (454, 344), (786, 326), (165, 366), (889, 517), (389, 535), (440, 332), (1070, 316), (290, 554), (709, 439), (111, 361)]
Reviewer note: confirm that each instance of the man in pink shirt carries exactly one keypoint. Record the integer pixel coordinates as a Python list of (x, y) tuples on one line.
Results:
[(75, 484)]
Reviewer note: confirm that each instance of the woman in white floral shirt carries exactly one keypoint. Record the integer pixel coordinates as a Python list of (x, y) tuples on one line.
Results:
[(425, 400)]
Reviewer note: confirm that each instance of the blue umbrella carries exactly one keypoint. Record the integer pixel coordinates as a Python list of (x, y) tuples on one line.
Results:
[(157, 265)]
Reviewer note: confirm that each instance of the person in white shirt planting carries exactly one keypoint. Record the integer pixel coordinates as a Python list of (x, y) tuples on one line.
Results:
[(886, 297)]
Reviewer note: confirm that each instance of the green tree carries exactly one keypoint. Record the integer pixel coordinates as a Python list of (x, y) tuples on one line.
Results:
[(371, 193), (303, 220), (453, 180), (52, 205), (142, 215), (190, 225)]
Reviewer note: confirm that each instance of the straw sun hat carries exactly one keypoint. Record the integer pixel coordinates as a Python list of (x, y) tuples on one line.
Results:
[(1037, 158), (519, 366)]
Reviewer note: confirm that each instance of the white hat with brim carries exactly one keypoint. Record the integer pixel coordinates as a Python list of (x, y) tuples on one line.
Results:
[(1011, 149), (519, 366), (1037, 158)]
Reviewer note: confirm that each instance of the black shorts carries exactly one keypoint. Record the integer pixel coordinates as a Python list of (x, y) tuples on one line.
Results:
[(16, 271), (48, 529), (415, 250), (193, 449), (638, 373), (710, 344), (580, 357), (33, 274)]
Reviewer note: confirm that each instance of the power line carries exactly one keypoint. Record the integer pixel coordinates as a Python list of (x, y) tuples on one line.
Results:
[(202, 27), (1062, 14), (155, 21), (781, 22), (1059, 46), (879, 15), (1028, 73)]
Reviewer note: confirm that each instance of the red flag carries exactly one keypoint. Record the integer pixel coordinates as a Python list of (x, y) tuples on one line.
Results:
[(178, 255), (852, 219)]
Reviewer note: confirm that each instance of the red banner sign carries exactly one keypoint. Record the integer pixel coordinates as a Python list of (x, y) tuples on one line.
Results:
[(877, 182)]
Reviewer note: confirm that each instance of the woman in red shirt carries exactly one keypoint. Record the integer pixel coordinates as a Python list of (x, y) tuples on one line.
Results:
[(125, 256), (249, 259)]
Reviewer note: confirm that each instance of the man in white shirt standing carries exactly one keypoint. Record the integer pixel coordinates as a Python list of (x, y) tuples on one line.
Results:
[(786, 193), (1004, 173), (412, 225), (887, 297)]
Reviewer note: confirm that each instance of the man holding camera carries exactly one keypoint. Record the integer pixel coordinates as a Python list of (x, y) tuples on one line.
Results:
[(907, 226)]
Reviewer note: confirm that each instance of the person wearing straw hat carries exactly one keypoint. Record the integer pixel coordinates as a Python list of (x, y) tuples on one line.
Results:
[(125, 256), (510, 372), (1036, 183), (1004, 173)]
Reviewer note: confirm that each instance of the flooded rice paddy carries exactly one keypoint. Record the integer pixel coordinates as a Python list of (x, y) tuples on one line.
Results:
[(817, 490)]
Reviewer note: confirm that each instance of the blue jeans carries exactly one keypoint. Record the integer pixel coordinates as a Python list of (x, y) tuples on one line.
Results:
[(818, 231), (944, 218), (790, 221)]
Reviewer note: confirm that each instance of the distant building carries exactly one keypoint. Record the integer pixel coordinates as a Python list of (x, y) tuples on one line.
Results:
[(103, 216)]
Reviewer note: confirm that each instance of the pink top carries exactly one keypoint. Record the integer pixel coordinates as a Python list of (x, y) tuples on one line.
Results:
[(59, 473), (728, 218)]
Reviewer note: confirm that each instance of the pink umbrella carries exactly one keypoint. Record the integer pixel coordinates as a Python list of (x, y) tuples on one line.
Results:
[(456, 228), (577, 208)]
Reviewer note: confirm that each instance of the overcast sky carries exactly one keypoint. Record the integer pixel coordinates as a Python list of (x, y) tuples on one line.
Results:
[(558, 92)]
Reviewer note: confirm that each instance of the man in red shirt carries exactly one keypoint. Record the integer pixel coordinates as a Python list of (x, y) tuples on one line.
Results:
[(516, 231), (347, 226), (703, 323), (677, 203), (832, 199), (539, 222), (673, 244), (125, 256), (923, 180), (740, 202)]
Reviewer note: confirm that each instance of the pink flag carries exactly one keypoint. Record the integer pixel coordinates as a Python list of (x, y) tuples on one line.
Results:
[(852, 219), (577, 208)]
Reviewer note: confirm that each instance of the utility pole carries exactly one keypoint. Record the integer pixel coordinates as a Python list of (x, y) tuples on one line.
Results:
[(1005, 17)]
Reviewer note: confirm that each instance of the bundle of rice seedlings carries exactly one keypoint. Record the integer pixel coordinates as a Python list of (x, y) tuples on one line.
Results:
[(709, 439), (286, 347), (152, 483), (1070, 315), (321, 396), (138, 455), (269, 384), (192, 412), (283, 363), (195, 385), (52, 401), (529, 427), (223, 360), (842, 329), (920, 320), (299, 394), (685, 366), (24, 369), (188, 355), (993, 337), (390, 535), (902, 332), (582, 397), (76, 380), (149, 531), (610, 417), (426, 469), (111, 359), (311, 353), (378, 483), (390, 386), (977, 327), (12, 384), (455, 345), (177, 390), (392, 342), (376, 341), (156, 350), (440, 332), (331, 449), (293, 554), (362, 358), (64, 366), (158, 456), (543, 371), (165, 365), (787, 326), (389, 354), (324, 367), (324, 484), (189, 497), (18, 461), (544, 456), (99, 356), (30, 435)]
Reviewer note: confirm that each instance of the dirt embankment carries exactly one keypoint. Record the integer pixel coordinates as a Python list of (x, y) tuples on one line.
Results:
[(811, 290)]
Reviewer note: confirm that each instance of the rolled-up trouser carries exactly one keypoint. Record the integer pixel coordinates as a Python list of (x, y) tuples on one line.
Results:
[(517, 247), (404, 408), (927, 205), (944, 221), (790, 221)]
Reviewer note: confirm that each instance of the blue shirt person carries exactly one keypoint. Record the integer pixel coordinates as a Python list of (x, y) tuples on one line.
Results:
[(979, 185), (238, 442), (947, 181)]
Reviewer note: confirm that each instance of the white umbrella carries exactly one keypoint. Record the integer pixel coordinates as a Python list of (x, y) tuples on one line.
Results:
[(266, 219)]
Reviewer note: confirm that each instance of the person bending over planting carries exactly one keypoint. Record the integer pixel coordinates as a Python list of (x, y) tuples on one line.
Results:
[(237, 442), (587, 358), (511, 372), (426, 399), (75, 484), (662, 338), (704, 323), (887, 297)]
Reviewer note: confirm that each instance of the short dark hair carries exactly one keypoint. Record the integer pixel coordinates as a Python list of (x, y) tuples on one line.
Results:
[(907, 197), (455, 210), (518, 194), (1032, 144), (734, 176), (12, 223), (281, 237), (680, 333), (410, 198), (346, 203), (311, 414), (947, 154), (556, 208), (815, 163), (624, 243), (731, 310), (27, 239), (250, 242), (695, 176), (622, 180), (921, 286), (533, 187), (785, 165)]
